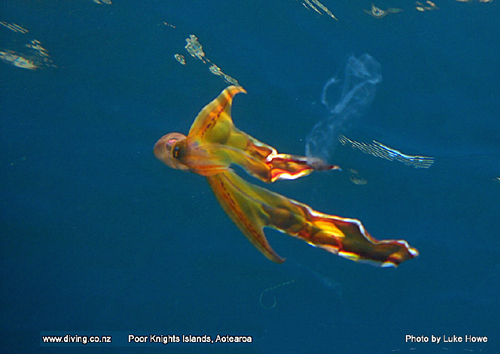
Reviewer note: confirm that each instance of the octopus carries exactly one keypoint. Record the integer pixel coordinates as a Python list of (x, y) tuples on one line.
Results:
[(214, 144)]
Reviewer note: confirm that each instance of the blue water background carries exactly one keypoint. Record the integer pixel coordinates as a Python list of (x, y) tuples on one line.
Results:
[(98, 235)]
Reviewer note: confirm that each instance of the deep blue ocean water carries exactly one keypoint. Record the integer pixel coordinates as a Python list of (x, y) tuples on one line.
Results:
[(98, 236)]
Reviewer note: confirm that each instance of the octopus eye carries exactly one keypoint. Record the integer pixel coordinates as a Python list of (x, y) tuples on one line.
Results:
[(176, 152)]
